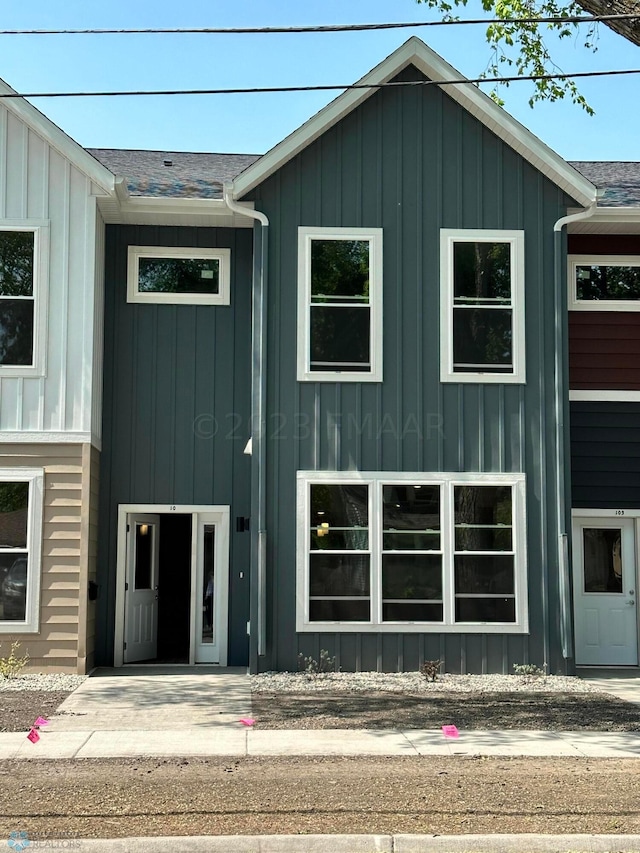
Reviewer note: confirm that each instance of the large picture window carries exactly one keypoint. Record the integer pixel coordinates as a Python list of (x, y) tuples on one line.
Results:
[(410, 552), (20, 547), (604, 283), (22, 268), (482, 324), (340, 293), (178, 276)]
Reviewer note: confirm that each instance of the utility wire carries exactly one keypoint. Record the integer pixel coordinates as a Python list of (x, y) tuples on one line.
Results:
[(328, 28), (321, 88)]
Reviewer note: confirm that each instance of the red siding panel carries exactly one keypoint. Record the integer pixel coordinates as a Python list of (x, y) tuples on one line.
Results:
[(604, 350)]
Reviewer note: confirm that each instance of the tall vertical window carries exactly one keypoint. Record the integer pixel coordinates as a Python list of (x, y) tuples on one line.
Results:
[(443, 552), (21, 258), (482, 324), (340, 293), (20, 537)]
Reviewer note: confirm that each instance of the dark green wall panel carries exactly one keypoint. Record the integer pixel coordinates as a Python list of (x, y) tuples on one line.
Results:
[(176, 409), (412, 161)]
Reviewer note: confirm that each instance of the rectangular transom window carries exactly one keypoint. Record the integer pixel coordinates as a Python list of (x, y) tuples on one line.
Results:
[(340, 304), (482, 324), (178, 276), (20, 537), (22, 268), (411, 552), (604, 283)]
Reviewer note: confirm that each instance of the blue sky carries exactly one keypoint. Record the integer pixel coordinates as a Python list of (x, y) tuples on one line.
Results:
[(254, 123)]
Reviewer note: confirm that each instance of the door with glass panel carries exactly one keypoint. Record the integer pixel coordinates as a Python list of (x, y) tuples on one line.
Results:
[(211, 546), (606, 626), (141, 588)]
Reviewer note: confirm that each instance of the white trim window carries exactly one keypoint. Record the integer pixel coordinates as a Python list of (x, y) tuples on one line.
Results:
[(411, 552), (340, 304), (21, 491), (482, 321), (604, 283), (24, 262), (165, 275)]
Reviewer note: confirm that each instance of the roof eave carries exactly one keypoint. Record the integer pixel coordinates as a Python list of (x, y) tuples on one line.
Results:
[(58, 139)]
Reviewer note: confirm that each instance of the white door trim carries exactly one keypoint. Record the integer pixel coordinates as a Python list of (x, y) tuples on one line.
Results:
[(121, 569)]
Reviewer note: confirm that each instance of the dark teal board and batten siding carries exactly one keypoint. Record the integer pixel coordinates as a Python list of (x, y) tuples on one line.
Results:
[(176, 410), (411, 161), (605, 455)]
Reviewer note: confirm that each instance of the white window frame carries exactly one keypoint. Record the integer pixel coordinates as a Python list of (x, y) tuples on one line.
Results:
[(448, 238), (576, 261), (447, 481), (40, 230), (305, 237), (135, 253), (35, 478)]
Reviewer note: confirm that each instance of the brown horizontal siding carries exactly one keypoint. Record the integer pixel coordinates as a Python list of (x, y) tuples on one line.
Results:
[(604, 350), (67, 500), (603, 244)]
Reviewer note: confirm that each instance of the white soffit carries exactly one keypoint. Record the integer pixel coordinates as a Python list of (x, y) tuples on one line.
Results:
[(152, 210), (415, 52), (57, 138)]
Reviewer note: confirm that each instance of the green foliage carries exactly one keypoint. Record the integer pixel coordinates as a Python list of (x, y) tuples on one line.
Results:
[(10, 666), (431, 669), (519, 49), (313, 668), (528, 669)]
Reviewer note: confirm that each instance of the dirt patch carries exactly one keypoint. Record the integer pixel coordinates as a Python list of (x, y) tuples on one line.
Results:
[(533, 711), (19, 708), (227, 796)]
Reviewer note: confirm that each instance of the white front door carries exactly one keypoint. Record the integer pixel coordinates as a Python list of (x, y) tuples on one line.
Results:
[(211, 550), (606, 621), (141, 588)]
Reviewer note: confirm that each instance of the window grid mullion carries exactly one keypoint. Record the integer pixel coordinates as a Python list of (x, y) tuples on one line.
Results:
[(375, 542), (448, 539)]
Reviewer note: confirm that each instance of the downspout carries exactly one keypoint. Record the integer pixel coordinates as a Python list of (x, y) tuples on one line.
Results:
[(561, 401), (258, 446)]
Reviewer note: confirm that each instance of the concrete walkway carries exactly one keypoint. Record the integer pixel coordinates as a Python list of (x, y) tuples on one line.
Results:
[(237, 740), (623, 683)]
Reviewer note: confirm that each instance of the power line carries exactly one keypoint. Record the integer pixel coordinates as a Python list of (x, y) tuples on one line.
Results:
[(327, 28), (262, 90)]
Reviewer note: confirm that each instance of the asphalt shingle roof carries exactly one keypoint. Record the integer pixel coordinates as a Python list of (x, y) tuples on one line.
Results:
[(190, 175), (620, 180), (193, 175)]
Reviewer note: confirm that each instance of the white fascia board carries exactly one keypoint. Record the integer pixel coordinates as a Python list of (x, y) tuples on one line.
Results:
[(58, 139), (468, 95), (611, 215), (156, 210)]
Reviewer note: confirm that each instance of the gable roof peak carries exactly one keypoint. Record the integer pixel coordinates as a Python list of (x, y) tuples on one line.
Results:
[(415, 52)]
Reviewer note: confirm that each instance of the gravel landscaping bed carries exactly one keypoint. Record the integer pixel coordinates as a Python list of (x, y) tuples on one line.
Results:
[(27, 696), (371, 700)]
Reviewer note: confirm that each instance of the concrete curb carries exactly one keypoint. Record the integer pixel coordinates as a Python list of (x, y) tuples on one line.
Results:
[(526, 843)]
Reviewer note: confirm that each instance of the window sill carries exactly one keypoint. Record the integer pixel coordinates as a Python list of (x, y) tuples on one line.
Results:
[(340, 376), (411, 628), (484, 378)]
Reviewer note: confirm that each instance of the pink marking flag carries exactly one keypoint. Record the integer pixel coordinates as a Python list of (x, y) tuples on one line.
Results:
[(450, 731), (41, 722), (33, 736), (247, 721)]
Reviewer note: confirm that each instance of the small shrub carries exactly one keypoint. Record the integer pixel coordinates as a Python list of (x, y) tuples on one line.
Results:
[(529, 669), (10, 666), (312, 667), (431, 669)]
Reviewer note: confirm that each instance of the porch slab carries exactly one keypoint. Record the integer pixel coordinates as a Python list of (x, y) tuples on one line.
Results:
[(156, 698)]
